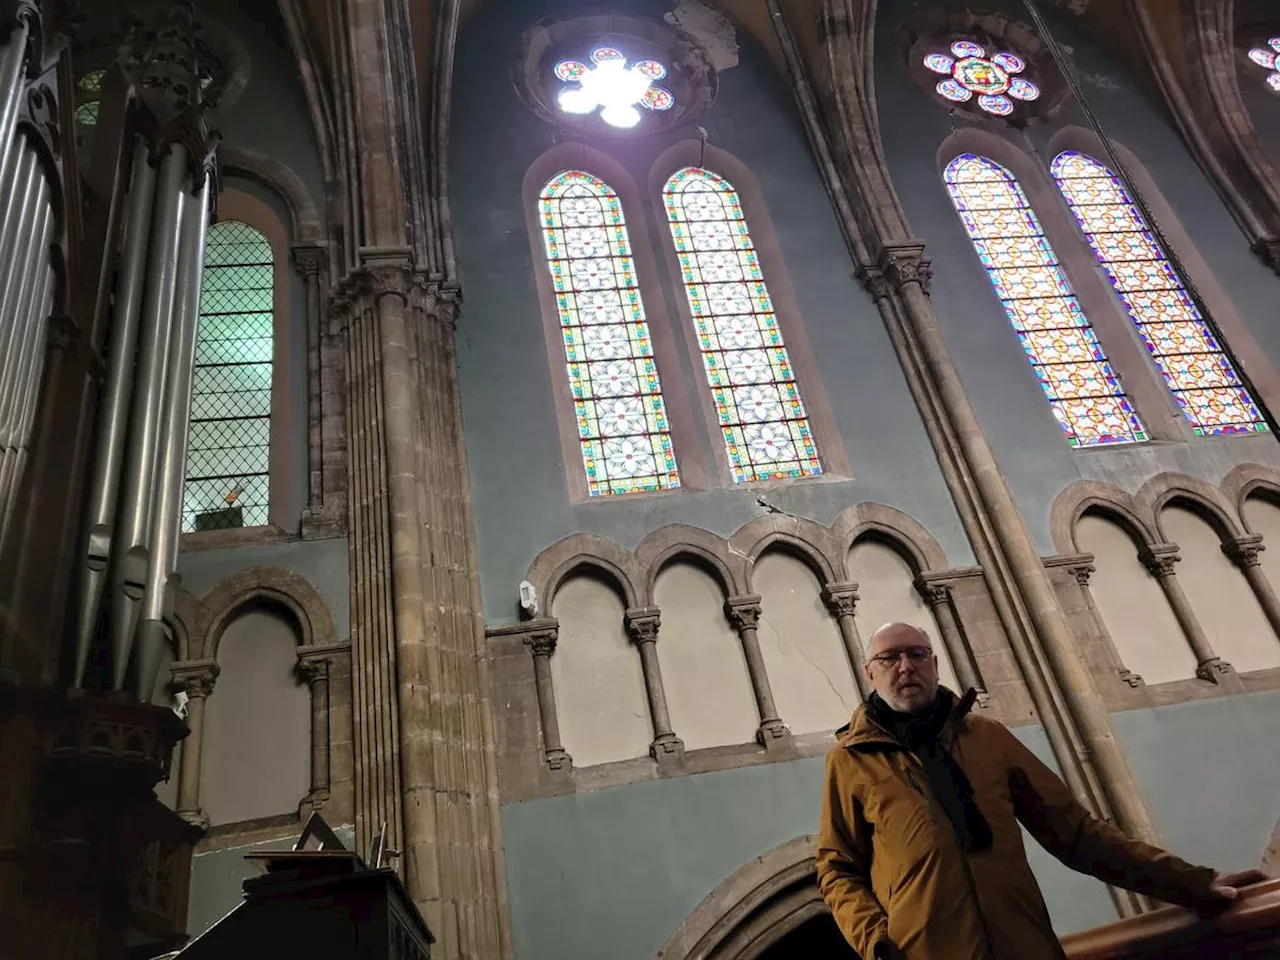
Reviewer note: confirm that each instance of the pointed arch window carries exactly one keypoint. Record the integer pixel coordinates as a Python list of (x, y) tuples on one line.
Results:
[(766, 431), (1059, 341), (228, 454), (617, 396), (1196, 369)]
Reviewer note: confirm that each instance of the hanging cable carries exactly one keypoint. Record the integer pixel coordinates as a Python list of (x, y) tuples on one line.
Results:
[(1135, 195)]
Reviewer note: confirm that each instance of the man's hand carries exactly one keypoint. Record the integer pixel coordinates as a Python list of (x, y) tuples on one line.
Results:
[(1226, 886)]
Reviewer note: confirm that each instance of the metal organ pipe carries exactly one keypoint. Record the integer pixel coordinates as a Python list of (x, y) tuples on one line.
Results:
[(113, 414), (171, 480), (12, 59), (132, 554)]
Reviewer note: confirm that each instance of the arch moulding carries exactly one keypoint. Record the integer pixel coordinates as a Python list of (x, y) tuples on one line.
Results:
[(272, 586), (755, 907)]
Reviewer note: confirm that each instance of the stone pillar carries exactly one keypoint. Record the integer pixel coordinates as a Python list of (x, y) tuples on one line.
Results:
[(541, 641), (642, 627), (1159, 560), (744, 615), (1243, 552), (842, 600), (938, 597), (313, 668), (309, 262), (1082, 572), (196, 678)]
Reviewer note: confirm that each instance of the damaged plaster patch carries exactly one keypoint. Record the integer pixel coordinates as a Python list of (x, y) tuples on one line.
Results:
[(710, 28)]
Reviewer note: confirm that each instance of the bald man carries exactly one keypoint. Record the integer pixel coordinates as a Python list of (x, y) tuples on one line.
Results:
[(919, 853)]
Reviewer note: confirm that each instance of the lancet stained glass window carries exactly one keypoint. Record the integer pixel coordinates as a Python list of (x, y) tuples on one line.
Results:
[(617, 397), (1064, 351), (227, 455), (766, 431), (1268, 58), (1198, 372)]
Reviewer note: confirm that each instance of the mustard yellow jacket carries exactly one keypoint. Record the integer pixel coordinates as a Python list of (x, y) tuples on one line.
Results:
[(890, 867)]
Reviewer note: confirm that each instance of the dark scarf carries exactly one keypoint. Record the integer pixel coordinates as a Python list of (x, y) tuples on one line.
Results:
[(920, 734)]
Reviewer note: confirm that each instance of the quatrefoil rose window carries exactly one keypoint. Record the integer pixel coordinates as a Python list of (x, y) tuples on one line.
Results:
[(992, 79), (1268, 58), (613, 87)]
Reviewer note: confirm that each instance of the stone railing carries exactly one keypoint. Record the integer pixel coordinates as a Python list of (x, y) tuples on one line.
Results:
[(1250, 928)]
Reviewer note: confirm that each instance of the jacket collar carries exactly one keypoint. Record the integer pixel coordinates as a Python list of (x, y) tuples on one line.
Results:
[(863, 733)]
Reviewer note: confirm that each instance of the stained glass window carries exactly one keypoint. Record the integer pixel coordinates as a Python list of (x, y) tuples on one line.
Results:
[(617, 398), (1268, 58), (1064, 351), (763, 421), (90, 86), (227, 455), (1202, 379), (970, 72)]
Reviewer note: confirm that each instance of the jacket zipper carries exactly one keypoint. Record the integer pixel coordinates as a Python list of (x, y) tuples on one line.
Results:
[(964, 856)]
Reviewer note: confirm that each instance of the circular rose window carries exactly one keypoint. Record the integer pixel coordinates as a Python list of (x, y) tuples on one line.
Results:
[(993, 79)]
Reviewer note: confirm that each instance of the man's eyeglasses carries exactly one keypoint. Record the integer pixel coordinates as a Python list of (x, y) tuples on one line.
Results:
[(917, 656)]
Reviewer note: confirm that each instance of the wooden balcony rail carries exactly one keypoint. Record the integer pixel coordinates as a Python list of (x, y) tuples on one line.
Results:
[(1250, 928)]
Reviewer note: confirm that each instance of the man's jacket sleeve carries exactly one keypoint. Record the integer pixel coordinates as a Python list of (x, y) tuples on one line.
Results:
[(844, 862), (1067, 830)]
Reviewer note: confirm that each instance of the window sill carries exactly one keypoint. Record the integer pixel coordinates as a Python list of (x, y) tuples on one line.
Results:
[(203, 540)]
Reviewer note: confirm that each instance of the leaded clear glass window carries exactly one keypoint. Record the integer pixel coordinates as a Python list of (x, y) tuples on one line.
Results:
[(1082, 388), (617, 396), (762, 418), (1194, 365), (228, 475)]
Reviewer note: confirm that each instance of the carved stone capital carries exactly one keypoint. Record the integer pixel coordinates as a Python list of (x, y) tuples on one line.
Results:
[(1082, 572), (542, 640), (841, 598), (933, 593), (308, 261), (196, 678), (743, 612), (558, 759), (904, 263), (1214, 670), (312, 670), (875, 282), (642, 624), (1244, 551), (1159, 559)]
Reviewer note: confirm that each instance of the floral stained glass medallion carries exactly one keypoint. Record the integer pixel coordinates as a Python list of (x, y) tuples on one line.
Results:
[(1268, 58), (1074, 372), (617, 397), (970, 72), (614, 86), (762, 418), (1195, 367)]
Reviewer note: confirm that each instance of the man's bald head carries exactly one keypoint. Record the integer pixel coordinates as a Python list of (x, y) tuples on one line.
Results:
[(902, 667)]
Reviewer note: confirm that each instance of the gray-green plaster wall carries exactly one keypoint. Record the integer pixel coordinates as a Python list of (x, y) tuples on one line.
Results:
[(1031, 450), (517, 475)]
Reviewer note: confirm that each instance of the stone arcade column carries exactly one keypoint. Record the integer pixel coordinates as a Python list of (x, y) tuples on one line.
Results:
[(541, 639), (642, 627), (1243, 552), (938, 597), (195, 678), (744, 616), (1083, 572), (313, 668), (1159, 560), (842, 600)]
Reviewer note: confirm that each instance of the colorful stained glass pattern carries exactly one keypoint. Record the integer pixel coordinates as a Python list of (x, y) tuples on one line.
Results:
[(969, 71), (1083, 391), (766, 431), (1268, 58), (617, 397), (607, 84), (228, 476), (1194, 365)]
